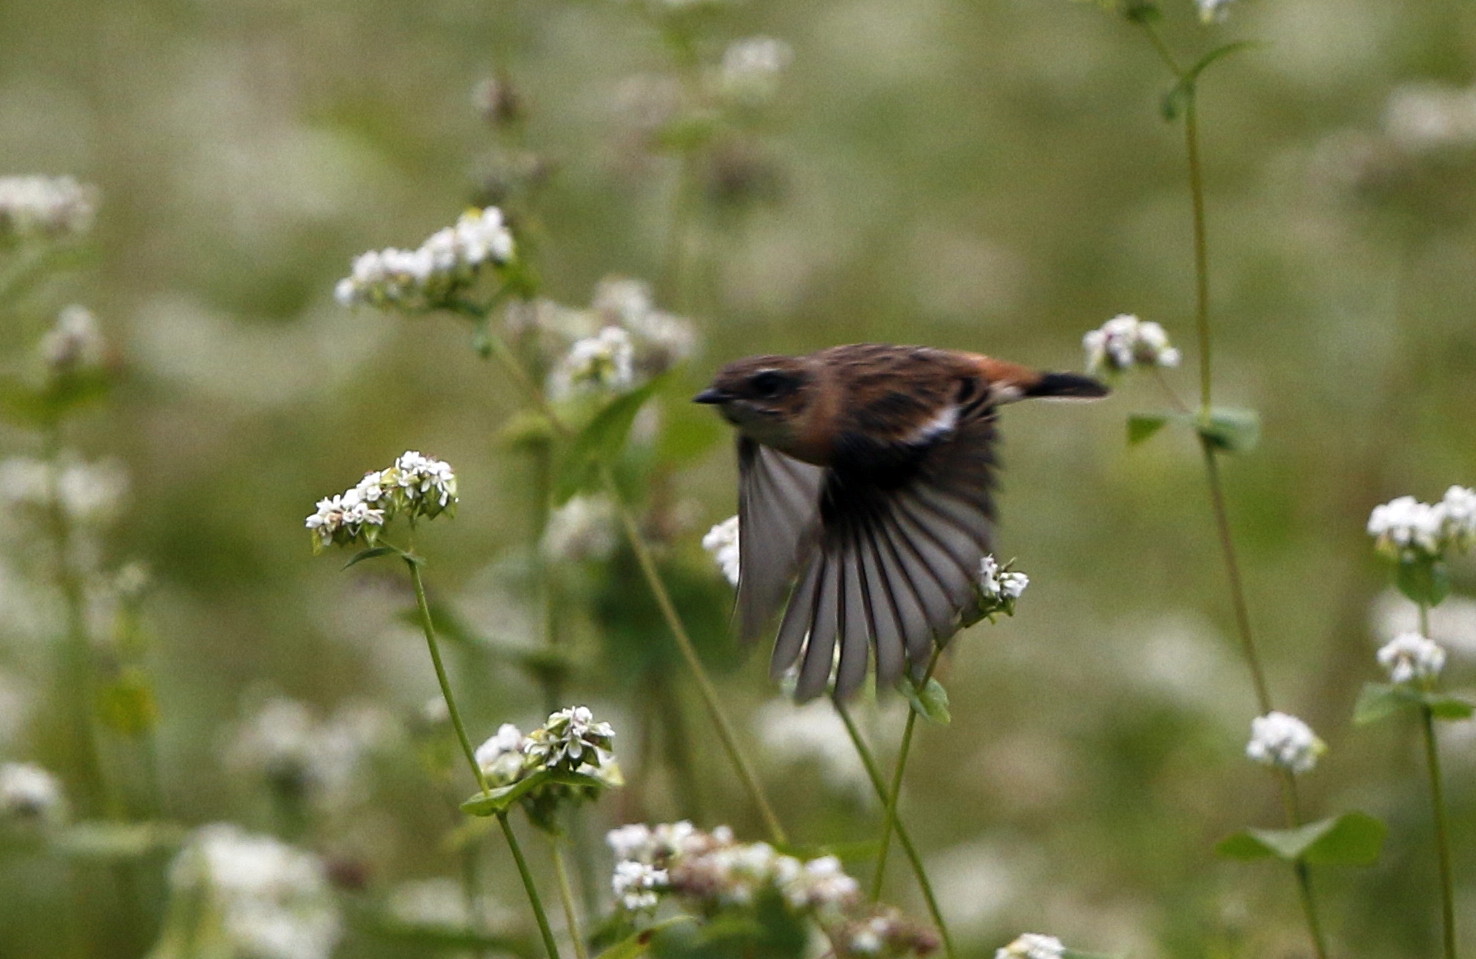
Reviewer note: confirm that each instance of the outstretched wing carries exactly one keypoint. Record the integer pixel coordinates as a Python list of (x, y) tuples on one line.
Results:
[(898, 553), (778, 519)]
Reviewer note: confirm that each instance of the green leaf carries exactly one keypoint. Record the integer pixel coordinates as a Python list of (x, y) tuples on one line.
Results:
[(1379, 700), (1178, 97), (1447, 707), (499, 800), (126, 703), (930, 702), (374, 552), (1231, 429), (1425, 580), (639, 943), (1352, 839), (600, 441), (1141, 426)]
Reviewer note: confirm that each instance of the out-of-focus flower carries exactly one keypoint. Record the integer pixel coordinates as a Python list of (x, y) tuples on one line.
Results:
[(256, 897), (581, 530), (813, 733), (1411, 657), (429, 276), (659, 339), (603, 363), (501, 757), (712, 874), (1213, 11), (320, 761), (90, 494), (30, 797), (1429, 117), (1407, 530), (570, 739), (1284, 741), (722, 542), (1032, 945), (635, 885), (1126, 341), (751, 69), (40, 207), (74, 343)]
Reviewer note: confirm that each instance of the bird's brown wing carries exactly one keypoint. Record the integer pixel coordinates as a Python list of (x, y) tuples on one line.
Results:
[(903, 530), (778, 522)]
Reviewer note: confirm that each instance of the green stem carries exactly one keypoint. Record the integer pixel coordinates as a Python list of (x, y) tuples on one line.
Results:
[(1201, 246), (435, 653), (1309, 907), (528, 885), (890, 822), (1232, 572), (705, 688), (1442, 832), (566, 896), (874, 774), (1437, 802)]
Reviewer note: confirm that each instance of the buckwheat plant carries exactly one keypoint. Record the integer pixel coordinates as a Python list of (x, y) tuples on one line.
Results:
[(1126, 342), (1419, 538), (751, 893), (585, 374)]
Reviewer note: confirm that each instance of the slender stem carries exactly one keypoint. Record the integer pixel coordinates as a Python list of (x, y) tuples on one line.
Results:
[(435, 653), (1437, 802), (1442, 832), (1309, 907), (528, 885), (872, 773), (705, 687), (1232, 571), (890, 821), (566, 896), (1201, 246)]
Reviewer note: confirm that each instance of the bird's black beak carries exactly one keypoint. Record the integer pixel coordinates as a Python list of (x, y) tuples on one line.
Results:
[(711, 395)]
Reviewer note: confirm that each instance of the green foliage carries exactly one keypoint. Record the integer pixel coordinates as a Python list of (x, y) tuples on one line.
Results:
[(1425, 579), (599, 442), (930, 701), (1352, 839), (1228, 429), (1378, 701)]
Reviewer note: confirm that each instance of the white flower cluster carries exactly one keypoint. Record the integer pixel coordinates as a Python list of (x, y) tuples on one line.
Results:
[(30, 797), (619, 341), (33, 207), (1213, 11), (415, 484), (1284, 741), (90, 494), (603, 363), (1032, 945), (299, 755), (266, 899), (1411, 657), (751, 69), (1408, 530), (722, 542), (581, 530), (74, 343), (426, 277), (570, 739), (998, 588), (712, 872), (1126, 341)]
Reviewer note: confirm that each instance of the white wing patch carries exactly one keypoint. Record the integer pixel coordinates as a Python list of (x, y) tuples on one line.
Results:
[(937, 428)]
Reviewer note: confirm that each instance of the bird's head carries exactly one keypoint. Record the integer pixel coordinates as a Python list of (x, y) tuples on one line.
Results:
[(764, 396)]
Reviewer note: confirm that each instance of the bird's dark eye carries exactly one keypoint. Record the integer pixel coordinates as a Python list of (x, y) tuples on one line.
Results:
[(771, 384)]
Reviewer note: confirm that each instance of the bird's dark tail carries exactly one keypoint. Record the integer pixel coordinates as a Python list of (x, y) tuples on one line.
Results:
[(1071, 386)]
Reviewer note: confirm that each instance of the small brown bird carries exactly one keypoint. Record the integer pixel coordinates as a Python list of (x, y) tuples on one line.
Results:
[(864, 501)]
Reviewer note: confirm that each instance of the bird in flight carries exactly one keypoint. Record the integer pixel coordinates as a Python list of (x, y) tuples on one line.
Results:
[(865, 499)]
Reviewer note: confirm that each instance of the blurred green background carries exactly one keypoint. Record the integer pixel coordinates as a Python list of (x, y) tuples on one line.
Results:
[(990, 176)]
